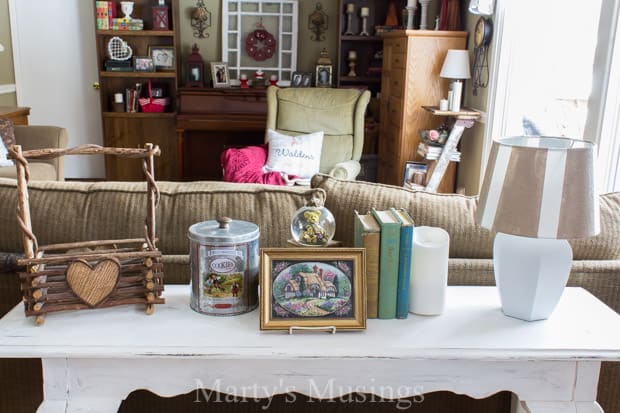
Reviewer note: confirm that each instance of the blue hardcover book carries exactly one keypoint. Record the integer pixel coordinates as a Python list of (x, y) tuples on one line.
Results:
[(388, 262), (404, 261)]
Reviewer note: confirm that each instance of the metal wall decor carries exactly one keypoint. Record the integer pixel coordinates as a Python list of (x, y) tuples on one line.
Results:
[(317, 23), (201, 20)]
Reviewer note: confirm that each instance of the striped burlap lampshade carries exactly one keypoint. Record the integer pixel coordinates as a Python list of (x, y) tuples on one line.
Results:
[(540, 187)]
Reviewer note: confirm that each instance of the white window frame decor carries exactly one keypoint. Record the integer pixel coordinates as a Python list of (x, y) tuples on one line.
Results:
[(240, 12)]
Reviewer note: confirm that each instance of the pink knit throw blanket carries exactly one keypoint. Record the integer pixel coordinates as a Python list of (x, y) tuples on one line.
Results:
[(245, 165)]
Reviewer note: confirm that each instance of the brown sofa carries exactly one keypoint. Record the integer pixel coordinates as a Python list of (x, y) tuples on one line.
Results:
[(77, 211), (39, 137)]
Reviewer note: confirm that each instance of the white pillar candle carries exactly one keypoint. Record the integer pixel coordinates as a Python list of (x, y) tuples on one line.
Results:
[(443, 104), (365, 12), (429, 270), (411, 3), (350, 8), (118, 98), (352, 54)]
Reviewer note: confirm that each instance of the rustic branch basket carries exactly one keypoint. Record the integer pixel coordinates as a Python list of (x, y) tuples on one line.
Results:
[(91, 274)]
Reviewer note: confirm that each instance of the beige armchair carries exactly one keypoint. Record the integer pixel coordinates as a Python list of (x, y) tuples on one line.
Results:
[(339, 113), (39, 137)]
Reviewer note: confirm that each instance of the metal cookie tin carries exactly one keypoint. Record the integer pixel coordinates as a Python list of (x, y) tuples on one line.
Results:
[(224, 264)]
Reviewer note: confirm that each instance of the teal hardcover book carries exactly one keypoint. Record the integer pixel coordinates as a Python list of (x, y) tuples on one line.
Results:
[(404, 262), (388, 262)]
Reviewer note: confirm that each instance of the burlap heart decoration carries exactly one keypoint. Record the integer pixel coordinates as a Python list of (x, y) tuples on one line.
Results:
[(93, 285)]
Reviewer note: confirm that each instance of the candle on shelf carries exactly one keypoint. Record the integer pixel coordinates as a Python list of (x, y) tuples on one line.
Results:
[(443, 104), (364, 12), (350, 8), (411, 3), (118, 98), (195, 73), (352, 54), (429, 270)]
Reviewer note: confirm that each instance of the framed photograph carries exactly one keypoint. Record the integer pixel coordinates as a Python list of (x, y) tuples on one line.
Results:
[(163, 57), (301, 79), (143, 64), (312, 287), (415, 175), (324, 75), (219, 74)]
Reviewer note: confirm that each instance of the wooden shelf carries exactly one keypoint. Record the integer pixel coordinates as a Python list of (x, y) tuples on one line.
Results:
[(136, 33), (464, 113), (144, 75), (360, 79), (138, 115), (357, 38)]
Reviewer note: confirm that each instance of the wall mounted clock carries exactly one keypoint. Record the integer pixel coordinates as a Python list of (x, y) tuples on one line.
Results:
[(482, 39)]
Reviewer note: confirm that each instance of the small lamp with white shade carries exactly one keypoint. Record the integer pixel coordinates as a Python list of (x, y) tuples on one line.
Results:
[(456, 67), (537, 193)]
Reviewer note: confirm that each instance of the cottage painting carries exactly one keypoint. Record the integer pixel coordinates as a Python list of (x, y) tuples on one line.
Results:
[(312, 289)]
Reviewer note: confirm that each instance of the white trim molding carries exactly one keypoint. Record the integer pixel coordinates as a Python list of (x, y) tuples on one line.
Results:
[(8, 88)]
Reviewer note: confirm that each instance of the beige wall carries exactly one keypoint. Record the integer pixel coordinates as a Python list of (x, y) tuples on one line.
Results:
[(472, 140), (7, 76)]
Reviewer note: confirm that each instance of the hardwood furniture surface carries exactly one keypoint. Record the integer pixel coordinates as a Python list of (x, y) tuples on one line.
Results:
[(437, 168), (365, 46), (126, 129), (18, 115), (412, 60), (472, 348), (211, 120)]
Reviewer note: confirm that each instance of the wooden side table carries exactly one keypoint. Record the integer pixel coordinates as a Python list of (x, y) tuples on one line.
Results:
[(17, 114), (463, 119)]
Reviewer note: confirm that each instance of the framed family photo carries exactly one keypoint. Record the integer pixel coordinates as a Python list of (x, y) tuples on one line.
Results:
[(324, 75), (219, 74), (163, 57), (312, 287), (301, 79), (415, 175), (143, 64)]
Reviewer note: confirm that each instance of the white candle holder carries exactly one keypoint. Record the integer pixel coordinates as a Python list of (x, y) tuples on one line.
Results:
[(352, 58), (423, 13), (350, 10), (364, 14), (127, 9)]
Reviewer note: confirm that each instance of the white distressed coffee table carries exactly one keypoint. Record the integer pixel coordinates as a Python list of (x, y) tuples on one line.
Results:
[(93, 359)]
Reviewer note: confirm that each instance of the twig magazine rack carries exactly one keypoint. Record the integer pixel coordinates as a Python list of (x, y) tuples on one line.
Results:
[(90, 274)]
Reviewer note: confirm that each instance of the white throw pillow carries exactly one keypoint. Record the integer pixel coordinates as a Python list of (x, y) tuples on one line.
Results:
[(4, 161), (295, 155)]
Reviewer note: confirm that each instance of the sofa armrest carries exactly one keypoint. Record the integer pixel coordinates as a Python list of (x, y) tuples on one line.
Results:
[(39, 137), (348, 170)]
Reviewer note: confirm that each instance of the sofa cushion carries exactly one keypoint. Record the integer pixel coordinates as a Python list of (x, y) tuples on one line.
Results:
[(79, 211), (454, 213)]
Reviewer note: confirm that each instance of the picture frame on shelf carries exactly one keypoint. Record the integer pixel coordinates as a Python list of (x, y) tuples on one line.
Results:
[(333, 279), (414, 176), (163, 57), (324, 74), (143, 64), (220, 75), (301, 79)]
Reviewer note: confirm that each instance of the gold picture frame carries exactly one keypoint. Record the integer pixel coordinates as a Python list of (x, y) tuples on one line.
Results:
[(313, 287)]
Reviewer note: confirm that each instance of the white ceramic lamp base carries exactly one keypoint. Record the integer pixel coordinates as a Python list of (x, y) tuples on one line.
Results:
[(531, 274)]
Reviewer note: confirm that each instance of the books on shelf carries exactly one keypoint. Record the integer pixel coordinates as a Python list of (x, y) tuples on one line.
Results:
[(404, 261), (388, 262), (106, 11), (433, 152), (367, 234)]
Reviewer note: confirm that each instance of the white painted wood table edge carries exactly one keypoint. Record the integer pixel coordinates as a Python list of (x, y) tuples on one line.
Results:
[(93, 360)]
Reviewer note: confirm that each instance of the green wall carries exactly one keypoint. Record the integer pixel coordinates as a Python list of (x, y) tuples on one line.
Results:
[(7, 76)]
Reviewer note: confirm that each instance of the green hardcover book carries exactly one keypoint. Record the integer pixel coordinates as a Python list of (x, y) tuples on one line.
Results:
[(404, 261), (367, 234), (388, 262)]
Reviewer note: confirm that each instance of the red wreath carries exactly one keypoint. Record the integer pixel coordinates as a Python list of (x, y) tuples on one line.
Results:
[(260, 44)]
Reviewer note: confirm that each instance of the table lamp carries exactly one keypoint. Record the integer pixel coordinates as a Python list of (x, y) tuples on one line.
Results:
[(456, 67), (537, 193)]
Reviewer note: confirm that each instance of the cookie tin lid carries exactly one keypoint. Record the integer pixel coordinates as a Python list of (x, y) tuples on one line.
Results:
[(223, 231)]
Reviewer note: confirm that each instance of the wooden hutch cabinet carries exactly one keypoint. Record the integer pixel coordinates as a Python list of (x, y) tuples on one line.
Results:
[(412, 60), (133, 129)]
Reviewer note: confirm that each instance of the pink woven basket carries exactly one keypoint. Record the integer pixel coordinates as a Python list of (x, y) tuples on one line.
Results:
[(153, 105)]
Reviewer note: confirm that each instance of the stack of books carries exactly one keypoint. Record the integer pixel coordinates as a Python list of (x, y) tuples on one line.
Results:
[(106, 11), (387, 236), (432, 153)]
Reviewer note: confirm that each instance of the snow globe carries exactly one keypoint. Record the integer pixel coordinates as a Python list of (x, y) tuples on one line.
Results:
[(313, 226)]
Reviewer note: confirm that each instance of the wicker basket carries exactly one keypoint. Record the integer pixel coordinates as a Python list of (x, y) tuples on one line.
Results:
[(91, 274)]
